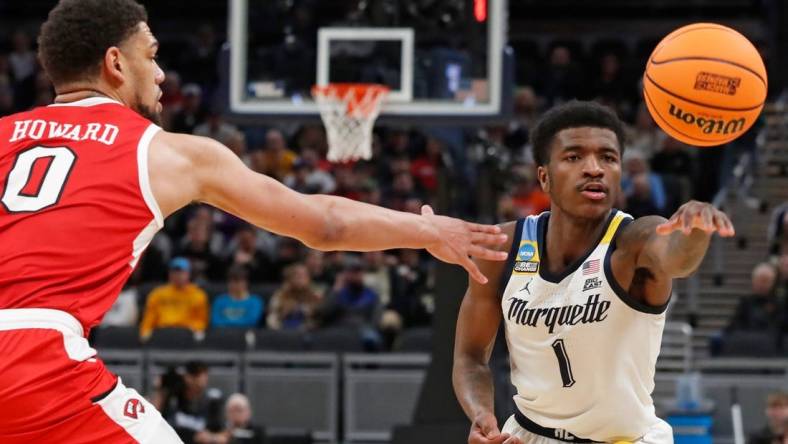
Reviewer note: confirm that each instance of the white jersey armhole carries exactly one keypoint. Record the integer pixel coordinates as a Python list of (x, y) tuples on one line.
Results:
[(144, 176)]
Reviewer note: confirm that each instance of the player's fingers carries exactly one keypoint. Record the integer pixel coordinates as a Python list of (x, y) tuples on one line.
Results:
[(500, 439), (729, 224), (480, 252), (477, 437), (707, 221), (481, 228), (426, 210), (488, 239), (687, 220), (668, 226), (513, 440), (473, 270), (723, 225)]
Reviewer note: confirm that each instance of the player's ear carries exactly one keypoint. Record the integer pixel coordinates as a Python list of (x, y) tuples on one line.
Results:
[(543, 177), (114, 65)]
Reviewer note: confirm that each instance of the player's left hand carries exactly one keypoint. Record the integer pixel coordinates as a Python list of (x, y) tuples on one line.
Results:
[(457, 240), (698, 215)]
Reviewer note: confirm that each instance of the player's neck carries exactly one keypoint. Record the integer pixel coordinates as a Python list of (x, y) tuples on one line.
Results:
[(570, 237), (75, 92)]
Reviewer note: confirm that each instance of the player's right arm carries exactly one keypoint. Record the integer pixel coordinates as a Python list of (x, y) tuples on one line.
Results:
[(186, 168), (477, 325)]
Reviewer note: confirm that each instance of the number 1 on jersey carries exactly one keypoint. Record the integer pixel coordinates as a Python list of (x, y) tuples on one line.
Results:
[(563, 363)]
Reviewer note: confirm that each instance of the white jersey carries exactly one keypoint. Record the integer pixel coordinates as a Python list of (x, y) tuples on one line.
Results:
[(582, 351)]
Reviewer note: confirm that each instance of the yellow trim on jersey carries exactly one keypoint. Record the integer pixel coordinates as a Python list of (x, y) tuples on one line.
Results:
[(612, 228)]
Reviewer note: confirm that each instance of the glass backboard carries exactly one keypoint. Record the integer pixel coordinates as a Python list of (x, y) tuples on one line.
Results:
[(440, 58)]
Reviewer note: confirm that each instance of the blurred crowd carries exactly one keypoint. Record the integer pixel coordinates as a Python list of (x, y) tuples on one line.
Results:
[(208, 269), (760, 323)]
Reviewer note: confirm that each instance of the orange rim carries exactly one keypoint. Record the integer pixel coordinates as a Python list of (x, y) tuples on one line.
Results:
[(360, 98)]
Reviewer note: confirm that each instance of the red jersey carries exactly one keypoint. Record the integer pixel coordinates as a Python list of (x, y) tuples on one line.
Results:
[(76, 209)]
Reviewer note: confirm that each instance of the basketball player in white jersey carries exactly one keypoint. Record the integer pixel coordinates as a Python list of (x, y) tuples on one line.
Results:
[(582, 296)]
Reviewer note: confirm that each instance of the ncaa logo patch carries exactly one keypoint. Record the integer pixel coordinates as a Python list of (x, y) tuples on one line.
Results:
[(526, 252)]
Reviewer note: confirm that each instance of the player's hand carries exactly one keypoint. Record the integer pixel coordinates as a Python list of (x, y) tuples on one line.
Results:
[(698, 215), (457, 240), (484, 430)]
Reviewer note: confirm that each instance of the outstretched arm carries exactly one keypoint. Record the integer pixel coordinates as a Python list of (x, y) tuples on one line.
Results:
[(477, 325), (188, 168), (674, 248)]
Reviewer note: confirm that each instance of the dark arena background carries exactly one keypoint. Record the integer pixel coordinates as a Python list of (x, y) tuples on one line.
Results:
[(468, 80)]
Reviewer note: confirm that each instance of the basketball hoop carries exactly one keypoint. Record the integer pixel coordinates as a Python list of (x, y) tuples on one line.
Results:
[(349, 111)]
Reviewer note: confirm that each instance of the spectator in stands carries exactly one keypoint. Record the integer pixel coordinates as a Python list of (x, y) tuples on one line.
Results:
[(275, 159), (191, 113), (640, 201), (346, 183), (526, 111), (321, 276), (305, 177), (760, 310), (401, 190), (6, 78), (645, 136), (294, 305), (378, 270), (426, 168), (125, 309), (563, 79), (635, 164), (676, 167), (672, 159), (351, 303), (781, 287), (23, 63), (526, 197), (611, 86), (196, 411), (237, 145), (776, 429), (411, 289), (199, 62), (246, 253), (178, 303), (410, 303), (312, 137), (778, 230), (237, 307), (240, 428), (288, 251), (6, 100), (216, 128), (200, 246)]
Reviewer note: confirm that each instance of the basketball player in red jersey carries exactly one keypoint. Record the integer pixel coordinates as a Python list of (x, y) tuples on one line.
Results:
[(86, 183)]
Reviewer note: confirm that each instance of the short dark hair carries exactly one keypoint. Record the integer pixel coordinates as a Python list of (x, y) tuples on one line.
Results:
[(78, 33), (195, 368), (573, 114)]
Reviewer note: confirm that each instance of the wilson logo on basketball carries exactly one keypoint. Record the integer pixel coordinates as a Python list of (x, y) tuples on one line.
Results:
[(706, 81), (708, 126), (133, 407)]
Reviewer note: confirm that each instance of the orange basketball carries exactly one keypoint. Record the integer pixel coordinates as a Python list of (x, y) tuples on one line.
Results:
[(705, 84)]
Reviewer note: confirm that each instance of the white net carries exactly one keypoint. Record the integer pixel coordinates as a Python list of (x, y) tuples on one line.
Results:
[(349, 112)]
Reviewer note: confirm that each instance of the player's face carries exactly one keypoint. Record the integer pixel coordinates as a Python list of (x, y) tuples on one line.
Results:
[(145, 75), (583, 176)]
